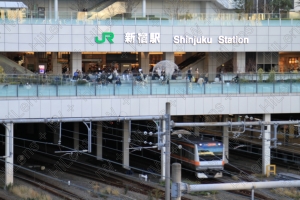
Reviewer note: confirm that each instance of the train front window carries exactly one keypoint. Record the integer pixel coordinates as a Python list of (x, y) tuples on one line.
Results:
[(210, 151)]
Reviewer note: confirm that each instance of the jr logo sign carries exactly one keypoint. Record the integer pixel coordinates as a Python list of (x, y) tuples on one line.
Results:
[(108, 35)]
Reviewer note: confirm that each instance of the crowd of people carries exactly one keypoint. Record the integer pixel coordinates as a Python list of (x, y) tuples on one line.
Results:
[(111, 74)]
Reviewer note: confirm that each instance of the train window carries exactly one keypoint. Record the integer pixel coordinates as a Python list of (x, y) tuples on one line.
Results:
[(210, 150)]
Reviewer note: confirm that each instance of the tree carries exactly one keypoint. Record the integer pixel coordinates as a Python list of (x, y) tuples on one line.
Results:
[(268, 6), (244, 6), (130, 6), (281, 5), (79, 5), (31, 4), (175, 8)]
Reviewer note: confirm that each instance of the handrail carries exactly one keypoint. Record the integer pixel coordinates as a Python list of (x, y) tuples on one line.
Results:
[(182, 19), (44, 85)]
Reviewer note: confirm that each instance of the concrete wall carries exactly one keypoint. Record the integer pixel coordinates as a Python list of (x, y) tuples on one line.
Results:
[(79, 38), (147, 105)]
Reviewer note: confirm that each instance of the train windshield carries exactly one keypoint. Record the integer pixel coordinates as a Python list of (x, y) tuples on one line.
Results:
[(210, 151)]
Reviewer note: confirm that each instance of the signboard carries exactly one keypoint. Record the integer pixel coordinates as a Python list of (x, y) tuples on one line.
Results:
[(42, 69)]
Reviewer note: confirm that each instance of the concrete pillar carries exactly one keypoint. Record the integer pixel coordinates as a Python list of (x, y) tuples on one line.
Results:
[(144, 8), (42, 132), (36, 61), (126, 141), (213, 60), (176, 177), (76, 62), (225, 140), (55, 129), (76, 136), (169, 56), (99, 141), (144, 62), (9, 152), (196, 128), (239, 62), (163, 152), (266, 143), (50, 9), (55, 69), (56, 9)]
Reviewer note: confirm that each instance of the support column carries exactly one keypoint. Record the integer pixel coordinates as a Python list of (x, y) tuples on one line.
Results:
[(176, 177), (50, 9), (239, 62), (9, 152), (36, 61), (144, 62), (169, 56), (266, 143), (144, 8), (196, 128), (225, 140), (76, 62), (55, 129), (99, 141), (213, 60), (163, 152), (76, 136), (56, 70), (56, 9), (126, 141)]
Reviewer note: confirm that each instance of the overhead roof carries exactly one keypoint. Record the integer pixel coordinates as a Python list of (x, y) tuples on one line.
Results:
[(10, 4)]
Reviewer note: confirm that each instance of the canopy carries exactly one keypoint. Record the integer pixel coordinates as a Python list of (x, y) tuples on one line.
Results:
[(10, 4)]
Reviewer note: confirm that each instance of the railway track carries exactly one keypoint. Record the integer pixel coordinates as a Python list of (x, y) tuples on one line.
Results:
[(117, 180), (55, 190), (105, 176)]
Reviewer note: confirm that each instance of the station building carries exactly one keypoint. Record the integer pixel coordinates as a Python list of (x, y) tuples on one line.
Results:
[(213, 36), (95, 34)]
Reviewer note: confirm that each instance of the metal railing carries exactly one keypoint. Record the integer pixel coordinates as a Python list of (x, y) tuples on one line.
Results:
[(213, 84), (159, 19)]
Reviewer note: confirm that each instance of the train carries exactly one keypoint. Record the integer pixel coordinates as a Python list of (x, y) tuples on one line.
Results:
[(204, 156)]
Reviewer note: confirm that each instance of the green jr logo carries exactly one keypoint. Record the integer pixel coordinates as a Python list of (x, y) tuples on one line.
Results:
[(105, 35)]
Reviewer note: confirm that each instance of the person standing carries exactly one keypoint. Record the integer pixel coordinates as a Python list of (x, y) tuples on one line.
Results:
[(206, 78), (196, 75), (189, 74)]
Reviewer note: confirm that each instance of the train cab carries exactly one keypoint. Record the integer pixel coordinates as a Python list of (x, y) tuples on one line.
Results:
[(205, 156)]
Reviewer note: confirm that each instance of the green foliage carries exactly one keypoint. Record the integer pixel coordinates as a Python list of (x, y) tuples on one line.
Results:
[(2, 74), (244, 6), (155, 194), (283, 5), (271, 76), (81, 82), (260, 72)]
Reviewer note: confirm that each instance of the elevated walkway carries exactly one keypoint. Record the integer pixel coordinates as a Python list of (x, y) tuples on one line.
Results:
[(10, 67)]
